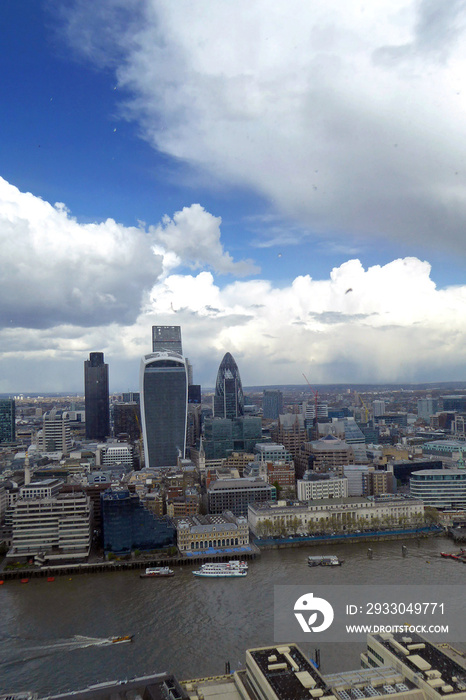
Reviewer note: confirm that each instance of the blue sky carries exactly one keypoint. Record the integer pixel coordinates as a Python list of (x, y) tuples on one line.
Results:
[(284, 181)]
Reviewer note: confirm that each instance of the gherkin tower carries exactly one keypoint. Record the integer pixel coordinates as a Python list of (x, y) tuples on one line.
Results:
[(228, 398)]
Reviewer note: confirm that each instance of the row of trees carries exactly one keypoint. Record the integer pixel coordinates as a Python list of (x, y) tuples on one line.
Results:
[(283, 526)]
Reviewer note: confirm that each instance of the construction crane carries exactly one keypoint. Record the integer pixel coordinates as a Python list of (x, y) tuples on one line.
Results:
[(316, 395)]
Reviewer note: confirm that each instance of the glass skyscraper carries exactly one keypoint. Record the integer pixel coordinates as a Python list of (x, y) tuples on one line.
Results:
[(7, 420), (96, 397), (164, 399), (228, 398)]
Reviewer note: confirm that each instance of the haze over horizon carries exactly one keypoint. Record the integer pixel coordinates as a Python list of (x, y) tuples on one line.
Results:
[(285, 182)]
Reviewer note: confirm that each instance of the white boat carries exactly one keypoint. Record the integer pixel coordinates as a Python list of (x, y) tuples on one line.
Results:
[(157, 572), (223, 569), (330, 560)]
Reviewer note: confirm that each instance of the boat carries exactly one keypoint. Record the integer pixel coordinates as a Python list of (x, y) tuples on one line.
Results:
[(50, 579), (330, 560), (157, 572), (24, 580), (223, 569), (120, 640)]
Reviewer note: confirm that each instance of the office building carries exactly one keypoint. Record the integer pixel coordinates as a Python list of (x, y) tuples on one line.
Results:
[(127, 420), (440, 488), (167, 339), (96, 397), (272, 403), (111, 454), (127, 525), (7, 420), (378, 408), (426, 408), (228, 398), (335, 514), (236, 494), (56, 435), (318, 486), (164, 399), (51, 527)]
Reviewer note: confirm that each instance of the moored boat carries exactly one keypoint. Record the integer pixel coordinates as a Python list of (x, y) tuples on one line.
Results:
[(223, 569), (157, 572), (330, 560)]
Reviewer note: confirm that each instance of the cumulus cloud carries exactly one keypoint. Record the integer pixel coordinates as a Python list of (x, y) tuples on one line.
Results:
[(54, 270), (193, 236), (394, 326), (347, 121)]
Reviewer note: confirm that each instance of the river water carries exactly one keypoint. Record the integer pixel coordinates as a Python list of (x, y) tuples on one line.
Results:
[(54, 636)]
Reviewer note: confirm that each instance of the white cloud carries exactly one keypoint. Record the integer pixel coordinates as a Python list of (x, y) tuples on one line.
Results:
[(348, 117), (382, 324), (193, 236), (54, 270)]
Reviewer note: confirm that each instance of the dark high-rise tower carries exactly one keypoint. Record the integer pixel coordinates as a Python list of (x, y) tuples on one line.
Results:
[(7, 420), (228, 398), (164, 398), (96, 397)]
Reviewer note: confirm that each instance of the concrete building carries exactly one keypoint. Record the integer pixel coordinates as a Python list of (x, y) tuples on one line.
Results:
[(212, 532), (291, 433), (357, 476), (272, 404), (318, 486), (52, 528), (345, 514), (440, 488), (56, 435), (324, 455), (236, 494), (114, 453)]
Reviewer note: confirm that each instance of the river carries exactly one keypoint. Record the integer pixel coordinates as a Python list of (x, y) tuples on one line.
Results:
[(54, 635)]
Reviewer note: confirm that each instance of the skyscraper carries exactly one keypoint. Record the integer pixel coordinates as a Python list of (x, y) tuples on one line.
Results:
[(164, 398), (272, 403), (228, 398), (7, 420), (96, 397)]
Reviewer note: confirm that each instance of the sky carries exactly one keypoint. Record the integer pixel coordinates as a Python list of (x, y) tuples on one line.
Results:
[(284, 180)]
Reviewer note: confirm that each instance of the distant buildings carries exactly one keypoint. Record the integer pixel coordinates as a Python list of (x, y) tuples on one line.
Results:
[(7, 420), (228, 398), (96, 397), (272, 403), (127, 420), (164, 398)]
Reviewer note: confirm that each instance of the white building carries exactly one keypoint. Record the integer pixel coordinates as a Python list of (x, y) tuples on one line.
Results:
[(440, 488), (346, 514), (212, 531), (313, 489), (111, 453), (55, 435), (357, 479), (52, 528)]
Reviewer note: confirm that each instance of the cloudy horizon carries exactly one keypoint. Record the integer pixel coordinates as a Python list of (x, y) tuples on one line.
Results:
[(284, 182)]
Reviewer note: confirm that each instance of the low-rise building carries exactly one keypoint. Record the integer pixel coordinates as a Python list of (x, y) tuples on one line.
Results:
[(212, 532), (343, 515), (318, 486), (236, 494)]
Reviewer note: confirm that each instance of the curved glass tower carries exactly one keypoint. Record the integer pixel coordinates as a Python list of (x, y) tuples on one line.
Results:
[(164, 404), (228, 398)]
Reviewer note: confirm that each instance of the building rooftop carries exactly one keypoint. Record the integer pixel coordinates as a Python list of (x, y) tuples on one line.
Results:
[(236, 484)]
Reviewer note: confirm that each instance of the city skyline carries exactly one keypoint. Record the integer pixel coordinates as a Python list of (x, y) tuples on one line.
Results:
[(290, 191)]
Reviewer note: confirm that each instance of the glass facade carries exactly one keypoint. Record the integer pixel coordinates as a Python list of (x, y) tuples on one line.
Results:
[(96, 397), (164, 401), (127, 525), (228, 398), (440, 488), (7, 420), (272, 403)]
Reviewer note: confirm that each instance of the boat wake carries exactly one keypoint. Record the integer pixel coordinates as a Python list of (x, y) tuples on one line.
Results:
[(57, 647)]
